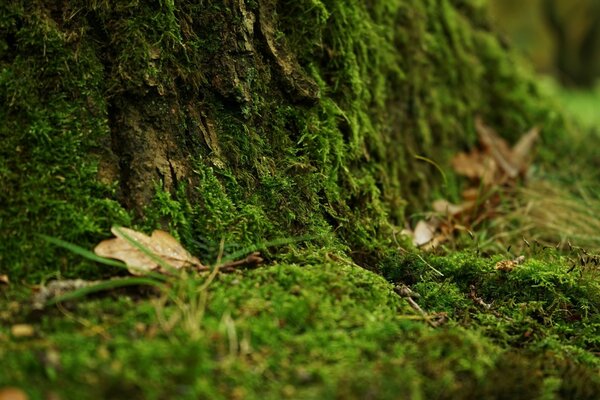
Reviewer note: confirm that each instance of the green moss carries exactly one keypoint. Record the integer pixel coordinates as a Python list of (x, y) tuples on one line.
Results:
[(249, 121), (265, 155), (538, 302), (53, 114), (320, 331)]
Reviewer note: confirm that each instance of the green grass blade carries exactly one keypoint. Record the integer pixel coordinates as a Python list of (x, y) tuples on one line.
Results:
[(260, 246), (82, 252), (106, 285), (436, 166), (93, 257)]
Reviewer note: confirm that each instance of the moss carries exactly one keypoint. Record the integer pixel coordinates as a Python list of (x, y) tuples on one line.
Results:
[(319, 331), (53, 114), (538, 302), (312, 130), (248, 121)]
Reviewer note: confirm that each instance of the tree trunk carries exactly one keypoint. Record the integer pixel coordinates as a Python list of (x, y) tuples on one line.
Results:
[(240, 120)]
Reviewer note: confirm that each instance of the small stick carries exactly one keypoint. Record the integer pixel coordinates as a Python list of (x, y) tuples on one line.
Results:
[(433, 320), (252, 260)]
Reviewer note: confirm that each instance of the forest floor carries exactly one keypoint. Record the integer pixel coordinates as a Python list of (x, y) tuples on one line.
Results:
[(465, 321)]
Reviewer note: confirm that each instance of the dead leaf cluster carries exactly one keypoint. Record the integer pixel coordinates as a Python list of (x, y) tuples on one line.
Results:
[(494, 165), (509, 265)]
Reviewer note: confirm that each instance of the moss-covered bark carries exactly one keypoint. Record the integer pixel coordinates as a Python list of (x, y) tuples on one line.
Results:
[(239, 120)]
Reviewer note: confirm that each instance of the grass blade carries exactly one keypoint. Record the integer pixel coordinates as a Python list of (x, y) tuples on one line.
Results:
[(106, 285), (82, 252), (261, 246), (93, 257)]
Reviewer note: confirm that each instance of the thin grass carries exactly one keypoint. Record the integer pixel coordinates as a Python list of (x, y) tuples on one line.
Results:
[(552, 215)]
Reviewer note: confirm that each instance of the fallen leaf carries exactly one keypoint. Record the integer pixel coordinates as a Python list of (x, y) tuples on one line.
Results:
[(161, 244), (423, 233), (513, 161), (446, 208), (469, 165), (12, 393), (4, 279), (58, 288), (521, 152), (505, 265), (509, 265), (471, 194), (497, 147), (476, 165), (22, 330)]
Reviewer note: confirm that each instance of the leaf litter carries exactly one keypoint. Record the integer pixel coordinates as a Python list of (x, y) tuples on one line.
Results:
[(494, 164)]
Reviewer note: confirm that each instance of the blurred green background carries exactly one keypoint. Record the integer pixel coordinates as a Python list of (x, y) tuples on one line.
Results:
[(561, 38)]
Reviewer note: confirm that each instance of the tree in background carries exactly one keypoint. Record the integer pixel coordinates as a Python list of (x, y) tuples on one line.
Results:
[(561, 37), (575, 27)]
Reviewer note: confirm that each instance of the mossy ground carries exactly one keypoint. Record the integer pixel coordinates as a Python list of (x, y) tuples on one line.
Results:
[(320, 331), (268, 158)]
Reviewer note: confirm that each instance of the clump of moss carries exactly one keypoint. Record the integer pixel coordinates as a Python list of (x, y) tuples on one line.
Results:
[(538, 304)]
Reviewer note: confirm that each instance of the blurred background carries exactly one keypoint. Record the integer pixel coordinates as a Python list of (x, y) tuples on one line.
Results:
[(561, 38)]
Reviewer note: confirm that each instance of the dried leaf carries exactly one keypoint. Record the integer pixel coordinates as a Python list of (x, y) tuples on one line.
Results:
[(22, 330), (471, 194), (509, 265), (476, 165), (56, 289), (521, 152), (446, 208), (4, 279), (513, 162), (161, 244), (505, 265), (497, 147), (423, 233), (469, 165)]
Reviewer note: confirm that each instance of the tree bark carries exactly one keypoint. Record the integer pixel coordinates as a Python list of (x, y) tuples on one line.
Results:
[(241, 120)]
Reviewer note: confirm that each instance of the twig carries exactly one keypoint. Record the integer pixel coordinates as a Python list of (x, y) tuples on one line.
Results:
[(252, 260), (482, 304), (434, 320)]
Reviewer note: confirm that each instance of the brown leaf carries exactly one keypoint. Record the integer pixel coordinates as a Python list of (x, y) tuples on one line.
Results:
[(446, 208), (161, 244), (471, 194), (57, 288), (476, 165), (512, 161), (469, 165), (497, 147), (509, 265), (521, 152), (4, 279)]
